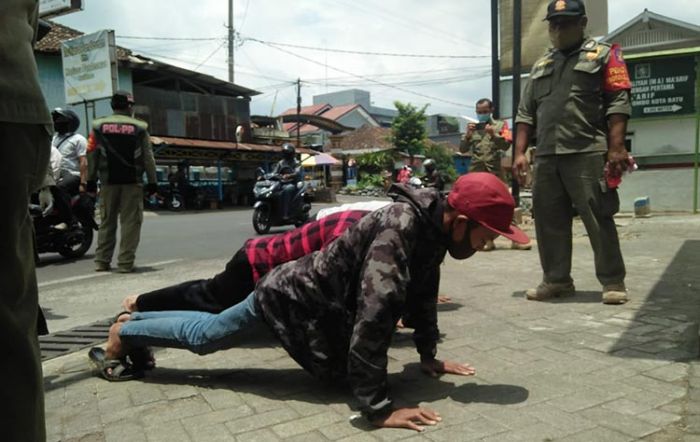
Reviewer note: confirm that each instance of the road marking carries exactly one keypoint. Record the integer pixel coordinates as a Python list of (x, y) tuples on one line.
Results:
[(100, 274)]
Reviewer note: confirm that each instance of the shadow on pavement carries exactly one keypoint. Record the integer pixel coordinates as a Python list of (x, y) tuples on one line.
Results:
[(581, 297), (666, 325), (49, 315), (57, 260)]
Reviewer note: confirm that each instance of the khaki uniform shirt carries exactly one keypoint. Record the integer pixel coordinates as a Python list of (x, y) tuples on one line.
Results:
[(131, 164), (21, 99), (483, 147), (569, 97)]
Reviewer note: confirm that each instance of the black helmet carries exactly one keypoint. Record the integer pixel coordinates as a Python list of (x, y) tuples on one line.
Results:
[(65, 120), (288, 150), (429, 164), (122, 100)]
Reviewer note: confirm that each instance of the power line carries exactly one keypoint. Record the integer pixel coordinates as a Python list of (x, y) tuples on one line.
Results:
[(135, 37), (348, 51), (381, 83)]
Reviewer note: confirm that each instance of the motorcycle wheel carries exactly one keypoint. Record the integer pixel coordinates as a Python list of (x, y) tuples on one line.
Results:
[(176, 203), (261, 221), (78, 250)]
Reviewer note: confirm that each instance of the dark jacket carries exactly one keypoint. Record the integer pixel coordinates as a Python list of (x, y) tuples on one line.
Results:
[(335, 310)]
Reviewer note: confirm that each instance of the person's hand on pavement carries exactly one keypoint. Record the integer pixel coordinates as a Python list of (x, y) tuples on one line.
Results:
[(411, 418), (436, 367), (442, 299), (520, 168)]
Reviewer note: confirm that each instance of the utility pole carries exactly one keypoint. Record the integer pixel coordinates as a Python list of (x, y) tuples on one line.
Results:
[(231, 40), (298, 111), (495, 65), (517, 67)]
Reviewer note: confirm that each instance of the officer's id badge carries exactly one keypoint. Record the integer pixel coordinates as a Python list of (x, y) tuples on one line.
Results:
[(560, 5), (617, 78)]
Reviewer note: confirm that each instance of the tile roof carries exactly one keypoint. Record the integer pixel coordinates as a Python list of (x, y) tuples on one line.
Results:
[(51, 43), (367, 137)]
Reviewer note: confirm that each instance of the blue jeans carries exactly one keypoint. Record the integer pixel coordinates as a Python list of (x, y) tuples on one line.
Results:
[(199, 332)]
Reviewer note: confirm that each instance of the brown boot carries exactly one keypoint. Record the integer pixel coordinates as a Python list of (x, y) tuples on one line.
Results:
[(615, 294), (517, 246), (547, 290)]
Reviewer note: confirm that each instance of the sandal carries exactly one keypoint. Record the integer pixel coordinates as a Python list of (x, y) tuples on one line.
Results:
[(113, 370), (142, 358)]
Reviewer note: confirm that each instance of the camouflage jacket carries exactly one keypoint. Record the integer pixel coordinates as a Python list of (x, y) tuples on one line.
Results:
[(335, 310)]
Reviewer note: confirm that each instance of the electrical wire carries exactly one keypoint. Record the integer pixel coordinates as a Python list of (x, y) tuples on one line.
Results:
[(348, 51), (136, 37), (381, 83)]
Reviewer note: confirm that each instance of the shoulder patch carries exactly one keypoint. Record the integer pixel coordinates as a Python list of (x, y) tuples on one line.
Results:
[(617, 77)]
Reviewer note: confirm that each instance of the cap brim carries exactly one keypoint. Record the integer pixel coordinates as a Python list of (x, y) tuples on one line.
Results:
[(513, 233), (564, 14)]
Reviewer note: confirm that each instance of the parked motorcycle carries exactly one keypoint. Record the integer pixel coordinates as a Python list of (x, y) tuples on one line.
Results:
[(74, 240), (267, 210), (172, 199)]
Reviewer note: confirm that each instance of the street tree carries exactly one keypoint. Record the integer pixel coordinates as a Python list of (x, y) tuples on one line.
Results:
[(408, 129)]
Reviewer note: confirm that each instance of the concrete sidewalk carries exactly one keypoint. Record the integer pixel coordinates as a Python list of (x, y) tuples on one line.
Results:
[(572, 369)]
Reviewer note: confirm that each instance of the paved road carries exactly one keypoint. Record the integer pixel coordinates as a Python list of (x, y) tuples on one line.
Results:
[(174, 248)]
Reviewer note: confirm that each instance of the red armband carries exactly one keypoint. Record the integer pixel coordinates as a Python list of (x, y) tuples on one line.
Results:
[(617, 78), (91, 144)]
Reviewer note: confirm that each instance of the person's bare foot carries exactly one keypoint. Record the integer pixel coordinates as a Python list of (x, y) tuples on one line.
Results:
[(442, 299), (114, 348), (123, 317), (129, 303), (399, 324)]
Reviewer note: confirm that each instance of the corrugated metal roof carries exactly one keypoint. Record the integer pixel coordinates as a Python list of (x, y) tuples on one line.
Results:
[(221, 145)]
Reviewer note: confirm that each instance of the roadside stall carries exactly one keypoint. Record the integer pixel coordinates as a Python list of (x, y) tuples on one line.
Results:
[(316, 174)]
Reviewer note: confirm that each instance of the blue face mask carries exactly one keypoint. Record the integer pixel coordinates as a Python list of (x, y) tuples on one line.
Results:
[(483, 118)]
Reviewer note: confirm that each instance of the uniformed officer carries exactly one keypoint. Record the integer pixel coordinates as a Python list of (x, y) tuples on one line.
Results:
[(25, 146), (577, 101), (486, 140), (119, 151)]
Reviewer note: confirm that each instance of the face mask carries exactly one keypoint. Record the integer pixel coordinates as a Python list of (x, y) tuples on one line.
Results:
[(566, 39), (483, 118)]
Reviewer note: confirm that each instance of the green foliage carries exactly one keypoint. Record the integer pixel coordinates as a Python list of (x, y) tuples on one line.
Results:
[(375, 163), (370, 181), (408, 129), (444, 160)]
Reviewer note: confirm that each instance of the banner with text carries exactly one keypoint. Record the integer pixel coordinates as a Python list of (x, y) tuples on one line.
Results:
[(89, 67), (54, 8), (662, 86)]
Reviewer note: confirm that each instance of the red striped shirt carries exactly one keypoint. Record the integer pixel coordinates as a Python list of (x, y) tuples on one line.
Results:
[(267, 252)]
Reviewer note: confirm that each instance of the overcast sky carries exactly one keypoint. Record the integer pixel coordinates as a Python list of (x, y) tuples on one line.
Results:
[(438, 27)]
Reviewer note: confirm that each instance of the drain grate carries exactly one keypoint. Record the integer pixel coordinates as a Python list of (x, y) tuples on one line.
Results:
[(69, 341)]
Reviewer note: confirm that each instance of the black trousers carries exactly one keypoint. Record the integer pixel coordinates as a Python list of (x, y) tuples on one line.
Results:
[(213, 295)]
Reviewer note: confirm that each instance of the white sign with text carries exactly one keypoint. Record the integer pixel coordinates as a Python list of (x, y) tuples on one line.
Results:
[(89, 67)]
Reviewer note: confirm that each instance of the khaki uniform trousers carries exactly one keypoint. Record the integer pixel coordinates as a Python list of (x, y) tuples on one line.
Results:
[(563, 182), (123, 204), (24, 157)]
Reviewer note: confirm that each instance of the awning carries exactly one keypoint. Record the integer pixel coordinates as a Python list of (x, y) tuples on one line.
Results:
[(322, 159)]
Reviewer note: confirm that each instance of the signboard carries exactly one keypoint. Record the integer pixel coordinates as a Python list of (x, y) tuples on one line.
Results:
[(89, 67), (662, 86), (535, 33), (54, 8)]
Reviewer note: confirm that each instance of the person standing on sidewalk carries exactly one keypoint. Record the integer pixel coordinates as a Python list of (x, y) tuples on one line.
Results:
[(577, 100), (485, 142), (119, 151), (25, 146)]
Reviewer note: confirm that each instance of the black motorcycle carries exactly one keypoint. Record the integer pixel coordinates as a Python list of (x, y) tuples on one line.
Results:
[(72, 241), (267, 210)]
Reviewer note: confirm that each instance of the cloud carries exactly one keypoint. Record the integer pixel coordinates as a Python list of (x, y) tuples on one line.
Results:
[(397, 26)]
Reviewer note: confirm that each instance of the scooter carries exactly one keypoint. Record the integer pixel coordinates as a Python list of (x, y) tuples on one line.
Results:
[(73, 241), (267, 210)]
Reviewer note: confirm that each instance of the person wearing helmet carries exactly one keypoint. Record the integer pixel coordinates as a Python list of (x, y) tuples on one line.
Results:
[(72, 175), (119, 152), (432, 177), (289, 169)]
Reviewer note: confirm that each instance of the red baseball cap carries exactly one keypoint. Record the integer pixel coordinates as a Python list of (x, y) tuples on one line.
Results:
[(485, 199)]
